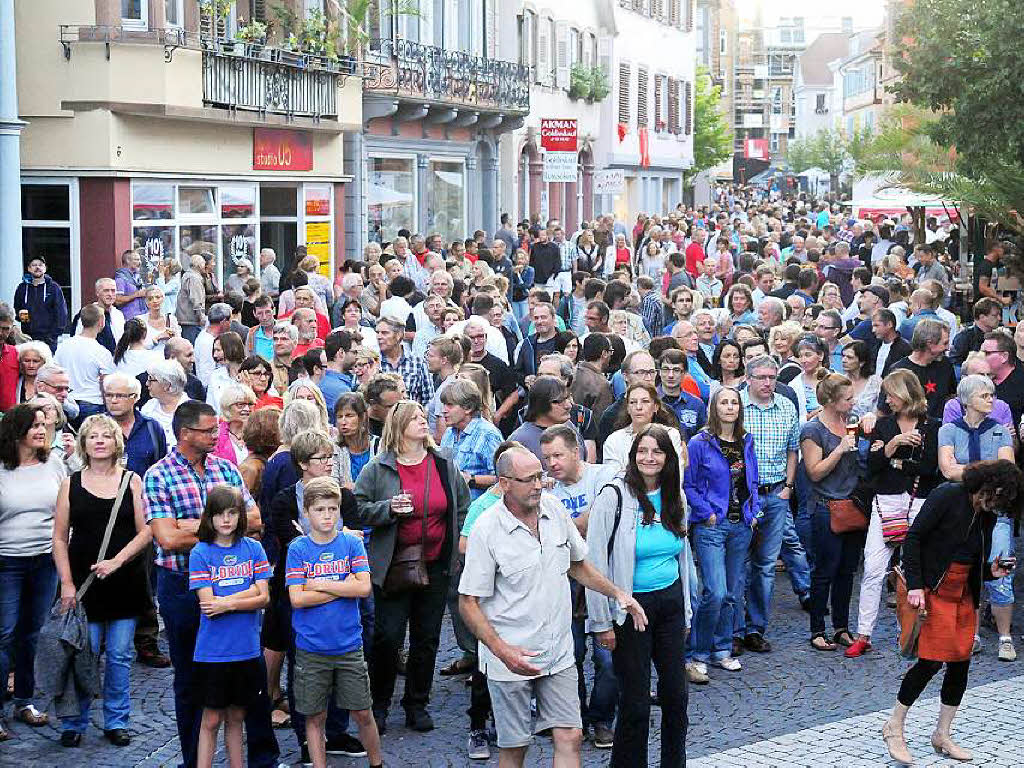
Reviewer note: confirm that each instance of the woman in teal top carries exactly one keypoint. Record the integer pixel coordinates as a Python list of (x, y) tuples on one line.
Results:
[(636, 536)]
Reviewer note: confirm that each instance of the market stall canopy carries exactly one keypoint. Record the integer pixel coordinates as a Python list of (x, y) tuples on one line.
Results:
[(873, 199)]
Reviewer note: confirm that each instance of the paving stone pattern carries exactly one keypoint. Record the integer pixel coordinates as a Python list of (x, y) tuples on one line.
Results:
[(791, 707)]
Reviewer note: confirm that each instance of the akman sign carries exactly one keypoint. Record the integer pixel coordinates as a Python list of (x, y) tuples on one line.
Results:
[(558, 135)]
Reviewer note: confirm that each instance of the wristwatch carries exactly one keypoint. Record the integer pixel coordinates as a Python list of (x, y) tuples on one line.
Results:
[(790, 486)]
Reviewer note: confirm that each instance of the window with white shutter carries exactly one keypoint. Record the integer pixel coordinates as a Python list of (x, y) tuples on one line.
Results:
[(544, 57), (673, 105), (657, 9), (624, 92), (604, 55), (641, 97), (659, 95), (562, 54), (674, 12), (691, 12)]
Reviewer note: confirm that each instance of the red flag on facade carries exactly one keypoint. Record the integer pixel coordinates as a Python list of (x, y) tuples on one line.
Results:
[(622, 132), (645, 154)]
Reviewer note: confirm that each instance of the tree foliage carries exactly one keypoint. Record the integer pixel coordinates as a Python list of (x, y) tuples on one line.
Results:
[(830, 149), (712, 139)]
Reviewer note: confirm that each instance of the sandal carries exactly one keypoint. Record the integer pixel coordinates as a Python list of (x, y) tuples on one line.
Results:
[(824, 645), (843, 638), (31, 716)]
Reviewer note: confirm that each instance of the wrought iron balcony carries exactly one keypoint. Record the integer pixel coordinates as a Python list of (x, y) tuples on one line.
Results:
[(453, 78), (244, 76)]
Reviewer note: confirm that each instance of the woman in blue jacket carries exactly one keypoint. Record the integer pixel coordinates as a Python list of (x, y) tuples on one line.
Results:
[(721, 489)]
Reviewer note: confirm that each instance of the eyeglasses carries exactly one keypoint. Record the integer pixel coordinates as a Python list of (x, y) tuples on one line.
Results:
[(671, 369), (259, 372), (120, 395), (991, 351), (322, 459), (645, 372), (764, 377), (531, 480), (208, 432), (242, 404)]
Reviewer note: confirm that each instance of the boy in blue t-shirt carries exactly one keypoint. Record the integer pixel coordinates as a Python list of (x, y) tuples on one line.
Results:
[(326, 573), (229, 574)]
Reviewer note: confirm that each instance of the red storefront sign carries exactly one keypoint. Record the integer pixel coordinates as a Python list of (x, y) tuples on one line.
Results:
[(558, 135), (275, 149)]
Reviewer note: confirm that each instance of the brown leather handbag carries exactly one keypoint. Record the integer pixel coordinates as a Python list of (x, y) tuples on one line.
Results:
[(408, 569), (846, 517)]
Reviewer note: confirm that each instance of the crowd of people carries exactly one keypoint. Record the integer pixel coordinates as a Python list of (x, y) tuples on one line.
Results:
[(601, 441)]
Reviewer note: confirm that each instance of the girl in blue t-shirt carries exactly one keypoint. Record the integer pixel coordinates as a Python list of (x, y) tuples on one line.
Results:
[(229, 573)]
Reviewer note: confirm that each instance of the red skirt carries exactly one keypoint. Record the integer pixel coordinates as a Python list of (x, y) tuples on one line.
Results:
[(948, 632)]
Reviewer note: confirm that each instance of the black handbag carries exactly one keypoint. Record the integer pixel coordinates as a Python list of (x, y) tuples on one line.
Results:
[(408, 569)]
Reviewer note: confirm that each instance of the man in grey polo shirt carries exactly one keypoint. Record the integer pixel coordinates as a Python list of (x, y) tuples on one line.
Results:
[(514, 596)]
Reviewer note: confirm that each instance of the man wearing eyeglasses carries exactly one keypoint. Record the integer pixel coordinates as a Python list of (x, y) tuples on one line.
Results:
[(1000, 352), (174, 494), (514, 596), (638, 368), (828, 328), (772, 421)]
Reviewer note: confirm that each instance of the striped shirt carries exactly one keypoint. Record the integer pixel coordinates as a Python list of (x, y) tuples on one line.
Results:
[(173, 489), (776, 431), (418, 383)]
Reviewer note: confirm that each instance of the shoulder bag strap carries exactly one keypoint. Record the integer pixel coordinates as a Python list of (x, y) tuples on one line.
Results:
[(432, 463), (618, 519), (125, 480)]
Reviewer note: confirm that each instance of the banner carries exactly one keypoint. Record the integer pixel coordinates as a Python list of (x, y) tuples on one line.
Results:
[(274, 149), (558, 135), (561, 166), (610, 181)]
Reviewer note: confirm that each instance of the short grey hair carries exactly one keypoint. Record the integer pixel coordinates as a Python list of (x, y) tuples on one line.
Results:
[(702, 312), (971, 385), (349, 280), (219, 312), (170, 374), (392, 322), (777, 305), (463, 393), (49, 369), (40, 348), (124, 379), (234, 393), (288, 328), (298, 416), (762, 361), (928, 332), (566, 370), (505, 465)]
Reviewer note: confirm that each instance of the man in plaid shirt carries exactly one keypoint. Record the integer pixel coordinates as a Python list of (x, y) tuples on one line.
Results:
[(174, 495), (772, 421), (393, 359), (652, 306), (471, 439)]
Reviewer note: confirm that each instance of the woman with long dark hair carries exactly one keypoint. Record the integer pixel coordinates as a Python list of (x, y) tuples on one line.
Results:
[(131, 355), (721, 488), (858, 367), (727, 364), (355, 444), (643, 407), (945, 561), (636, 537)]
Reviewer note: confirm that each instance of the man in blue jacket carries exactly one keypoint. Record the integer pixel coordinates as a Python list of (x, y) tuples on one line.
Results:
[(39, 304)]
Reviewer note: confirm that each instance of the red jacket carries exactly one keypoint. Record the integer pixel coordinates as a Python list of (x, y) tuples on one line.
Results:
[(9, 370)]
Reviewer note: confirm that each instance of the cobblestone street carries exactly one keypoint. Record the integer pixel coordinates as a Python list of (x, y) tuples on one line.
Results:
[(792, 707)]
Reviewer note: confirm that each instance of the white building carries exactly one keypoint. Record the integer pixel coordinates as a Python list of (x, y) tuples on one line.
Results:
[(650, 111), (567, 47), (818, 99)]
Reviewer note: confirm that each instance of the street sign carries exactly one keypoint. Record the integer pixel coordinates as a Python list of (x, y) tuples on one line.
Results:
[(610, 181), (558, 135), (560, 166)]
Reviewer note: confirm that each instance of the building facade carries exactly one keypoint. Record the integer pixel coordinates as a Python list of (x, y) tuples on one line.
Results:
[(436, 99), (651, 105), (151, 126), (860, 75)]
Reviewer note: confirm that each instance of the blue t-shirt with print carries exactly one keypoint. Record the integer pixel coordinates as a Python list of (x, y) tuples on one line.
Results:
[(333, 628), (232, 636), (657, 551)]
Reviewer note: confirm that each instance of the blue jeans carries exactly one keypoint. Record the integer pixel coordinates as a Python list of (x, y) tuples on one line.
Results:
[(764, 551), (832, 579), (180, 611), (802, 517), (600, 710), (1000, 591), (795, 558), (116, 690), (722, 551), (28, 586)]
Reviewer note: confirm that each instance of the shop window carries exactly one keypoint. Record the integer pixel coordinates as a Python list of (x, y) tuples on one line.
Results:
[(237, 202), (152, 201), (238, 241), (391, 194), (195, 201), (47, 230), (446, 199), (277, 201)]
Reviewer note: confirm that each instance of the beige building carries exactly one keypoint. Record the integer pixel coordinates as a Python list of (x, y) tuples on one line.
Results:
[(152, 126), (860, 74)]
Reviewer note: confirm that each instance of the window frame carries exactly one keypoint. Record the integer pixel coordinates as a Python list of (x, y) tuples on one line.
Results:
[(141, 23)]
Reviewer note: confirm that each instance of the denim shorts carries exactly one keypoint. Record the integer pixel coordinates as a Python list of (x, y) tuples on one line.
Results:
[(1000, 591)]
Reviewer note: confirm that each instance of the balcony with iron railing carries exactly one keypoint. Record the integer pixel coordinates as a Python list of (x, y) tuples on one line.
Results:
[(202, 71), (444, 78)]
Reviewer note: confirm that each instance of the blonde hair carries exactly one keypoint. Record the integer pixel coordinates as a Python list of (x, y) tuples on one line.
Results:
[(830, 386), (320, 488), (393, 436), (318, 399), (907, 387), (99, 421), (478, 375)]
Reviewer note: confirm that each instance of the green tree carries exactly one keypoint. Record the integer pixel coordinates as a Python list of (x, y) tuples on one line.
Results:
[(712, 139), (800, 155)]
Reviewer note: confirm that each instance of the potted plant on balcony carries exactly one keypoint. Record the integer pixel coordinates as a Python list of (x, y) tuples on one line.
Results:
[(254, 35), (213, 20), (599, 85), (580, 82)]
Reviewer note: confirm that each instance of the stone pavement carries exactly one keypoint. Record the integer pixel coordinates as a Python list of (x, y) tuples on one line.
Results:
[(794, 706)]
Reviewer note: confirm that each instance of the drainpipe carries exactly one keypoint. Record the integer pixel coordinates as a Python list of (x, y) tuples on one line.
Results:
[(10, 159)]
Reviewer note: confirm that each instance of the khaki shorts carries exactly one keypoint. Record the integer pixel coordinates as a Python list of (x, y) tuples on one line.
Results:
[(558, 706), (316, 676)]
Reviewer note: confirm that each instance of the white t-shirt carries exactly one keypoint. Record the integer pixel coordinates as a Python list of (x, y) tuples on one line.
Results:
[(136, 361), (85, 360), (396, 307), (204, 356), (578, 497), (153, 410), (495, 341)]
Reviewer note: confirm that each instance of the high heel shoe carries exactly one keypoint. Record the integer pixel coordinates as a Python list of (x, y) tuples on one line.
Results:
[(893, 737), (944, 745)]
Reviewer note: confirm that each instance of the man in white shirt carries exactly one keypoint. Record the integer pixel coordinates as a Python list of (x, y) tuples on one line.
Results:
[(398, 305), (86, 361), (219, 317)]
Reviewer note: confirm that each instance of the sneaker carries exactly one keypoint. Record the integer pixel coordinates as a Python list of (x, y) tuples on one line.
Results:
[(859, 647), (477, 747), (730, 664), (976, 648), (418, 720), (346, 745), (604, 737), (1006, 650), (755, 642), (697, 673)]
